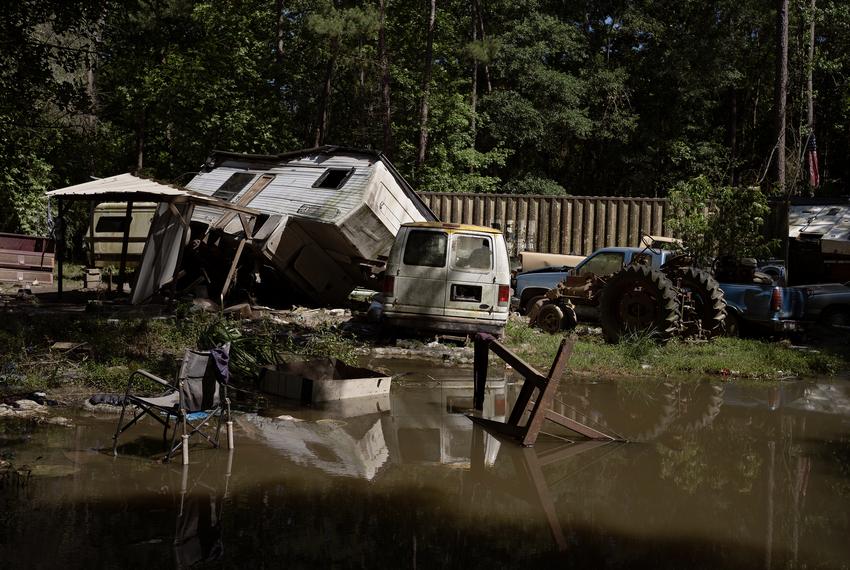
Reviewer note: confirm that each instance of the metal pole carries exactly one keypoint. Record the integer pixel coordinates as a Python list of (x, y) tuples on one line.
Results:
[(60, 246), (125, 244)]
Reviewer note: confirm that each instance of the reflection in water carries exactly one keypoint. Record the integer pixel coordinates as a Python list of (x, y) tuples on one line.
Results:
[(198, 534), (722, 475)]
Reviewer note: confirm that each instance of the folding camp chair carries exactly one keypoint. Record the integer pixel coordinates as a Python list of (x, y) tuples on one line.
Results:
[(198, 394)]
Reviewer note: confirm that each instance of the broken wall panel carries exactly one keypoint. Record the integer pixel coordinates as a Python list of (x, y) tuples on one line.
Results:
[(163, 249)]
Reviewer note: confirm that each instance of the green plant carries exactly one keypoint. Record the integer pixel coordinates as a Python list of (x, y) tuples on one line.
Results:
[(714, 220)]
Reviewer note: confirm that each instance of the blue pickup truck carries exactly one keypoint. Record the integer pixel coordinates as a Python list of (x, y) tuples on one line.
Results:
[(757, 307)]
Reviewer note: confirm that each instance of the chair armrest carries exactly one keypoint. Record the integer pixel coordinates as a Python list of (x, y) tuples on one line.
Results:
[(149, 376)]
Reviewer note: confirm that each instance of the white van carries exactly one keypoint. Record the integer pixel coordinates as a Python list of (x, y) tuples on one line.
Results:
[(448, 278)]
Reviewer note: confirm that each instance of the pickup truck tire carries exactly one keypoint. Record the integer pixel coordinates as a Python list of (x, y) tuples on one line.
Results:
[(732, 325), (707, 298), (639, 298), (528, 302)]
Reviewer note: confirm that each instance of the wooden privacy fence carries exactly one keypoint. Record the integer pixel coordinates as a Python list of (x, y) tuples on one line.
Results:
[(575, 225)]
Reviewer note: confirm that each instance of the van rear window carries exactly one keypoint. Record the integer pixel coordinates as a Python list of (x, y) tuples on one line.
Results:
[(471, 252), (426, 248)]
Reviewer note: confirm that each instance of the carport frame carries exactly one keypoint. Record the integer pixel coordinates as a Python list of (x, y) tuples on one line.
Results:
[(130, 188)]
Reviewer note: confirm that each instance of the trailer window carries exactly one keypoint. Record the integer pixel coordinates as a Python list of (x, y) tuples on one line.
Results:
[(233, 185), (472, 252), (603, 264), (334, 178), (426, 249), (111, 224)]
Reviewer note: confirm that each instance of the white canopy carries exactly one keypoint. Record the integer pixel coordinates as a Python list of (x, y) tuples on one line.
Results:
[(128, 187)]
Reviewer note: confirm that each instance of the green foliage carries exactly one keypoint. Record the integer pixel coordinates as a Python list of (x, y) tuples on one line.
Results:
[(604, 98), (534, 185), (714, 220)]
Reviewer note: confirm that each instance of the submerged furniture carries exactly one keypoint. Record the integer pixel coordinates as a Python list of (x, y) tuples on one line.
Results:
[(198, 394)]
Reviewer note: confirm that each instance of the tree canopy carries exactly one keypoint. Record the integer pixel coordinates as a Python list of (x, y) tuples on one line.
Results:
[(614, 97)]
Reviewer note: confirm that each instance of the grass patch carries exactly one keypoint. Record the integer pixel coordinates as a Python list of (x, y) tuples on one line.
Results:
[(640, 355)]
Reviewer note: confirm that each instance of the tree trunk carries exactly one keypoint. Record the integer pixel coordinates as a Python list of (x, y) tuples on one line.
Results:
[(474, 97), (781, 86), (140, 141), (279, 34), (385, 81), (479, 21), (324, 103), (809, 89), (733, 134), (426, 88)]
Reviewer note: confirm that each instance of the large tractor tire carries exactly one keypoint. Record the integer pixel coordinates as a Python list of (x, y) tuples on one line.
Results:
[(639, 299), (707, 302)]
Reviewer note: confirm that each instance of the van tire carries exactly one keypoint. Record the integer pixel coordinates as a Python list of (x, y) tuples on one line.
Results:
[(708, 300), (637, 299)]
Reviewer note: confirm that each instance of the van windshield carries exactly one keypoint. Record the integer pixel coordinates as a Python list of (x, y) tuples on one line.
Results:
[(426, 248), (471, 252)]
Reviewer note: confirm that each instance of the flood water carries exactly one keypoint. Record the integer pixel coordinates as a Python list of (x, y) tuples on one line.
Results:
[(716, 475)]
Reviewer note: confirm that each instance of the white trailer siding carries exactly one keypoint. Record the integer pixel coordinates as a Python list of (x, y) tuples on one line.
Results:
[(321, 235)]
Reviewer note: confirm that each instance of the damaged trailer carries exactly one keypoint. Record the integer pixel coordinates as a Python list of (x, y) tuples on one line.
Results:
[(327, 219), (169, 234)]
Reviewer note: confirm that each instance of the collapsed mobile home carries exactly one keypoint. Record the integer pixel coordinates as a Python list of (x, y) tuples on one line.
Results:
[(306, 226)]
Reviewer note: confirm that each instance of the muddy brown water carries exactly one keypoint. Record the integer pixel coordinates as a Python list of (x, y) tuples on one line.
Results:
[(715, 476)]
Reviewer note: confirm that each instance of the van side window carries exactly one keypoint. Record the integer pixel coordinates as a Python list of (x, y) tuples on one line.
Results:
[(472, 252), (426, 248), (603, 264)]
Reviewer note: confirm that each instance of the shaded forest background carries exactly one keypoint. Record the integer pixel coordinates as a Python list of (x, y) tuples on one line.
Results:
[(523, 96)]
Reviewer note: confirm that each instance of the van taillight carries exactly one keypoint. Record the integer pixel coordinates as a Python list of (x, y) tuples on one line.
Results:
[(776, 300), (389, 285), (504, 294)]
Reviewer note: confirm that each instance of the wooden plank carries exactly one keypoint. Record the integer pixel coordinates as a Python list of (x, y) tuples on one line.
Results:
[(566, 225), (645, 217), (543, 226), (23, 259), (532, 244), (611, 222), (577, 233), (555, 227), (523, 368), (547, 395), (589, 215), (522, 224), (467, 210), (445, 208), (599, 225), (634, 223), (623, 223), (657, 218), (25, 276), (576, 426)]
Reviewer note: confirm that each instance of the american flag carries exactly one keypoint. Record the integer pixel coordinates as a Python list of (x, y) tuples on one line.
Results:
[(812, 157)]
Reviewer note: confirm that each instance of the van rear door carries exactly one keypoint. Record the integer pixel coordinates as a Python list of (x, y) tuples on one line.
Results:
[(471, 290), (420, 279)]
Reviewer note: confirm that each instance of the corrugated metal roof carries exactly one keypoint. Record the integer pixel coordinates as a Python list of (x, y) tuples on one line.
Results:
[(121, 184), (292, 192)]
